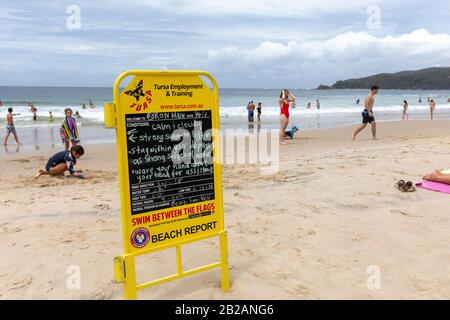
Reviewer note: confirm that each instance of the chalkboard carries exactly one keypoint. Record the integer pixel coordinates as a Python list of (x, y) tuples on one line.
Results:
[(157, 179)]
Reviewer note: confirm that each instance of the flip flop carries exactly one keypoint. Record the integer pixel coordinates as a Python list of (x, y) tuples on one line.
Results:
[(409, 187), (400, 185)]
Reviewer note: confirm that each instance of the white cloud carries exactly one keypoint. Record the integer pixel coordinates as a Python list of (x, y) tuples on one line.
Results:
[(339, 57)]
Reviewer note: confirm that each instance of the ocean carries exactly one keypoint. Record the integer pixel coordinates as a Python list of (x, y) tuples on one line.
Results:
[(337, 108)]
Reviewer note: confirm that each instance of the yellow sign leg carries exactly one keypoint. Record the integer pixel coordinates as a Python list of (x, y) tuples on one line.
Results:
[(224, 261), (129, 288)]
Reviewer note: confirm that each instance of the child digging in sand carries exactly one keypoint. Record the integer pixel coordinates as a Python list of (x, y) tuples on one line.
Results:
[(63, 161)]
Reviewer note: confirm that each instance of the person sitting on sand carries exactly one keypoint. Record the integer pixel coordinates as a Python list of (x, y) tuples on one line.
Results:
[(442, 176), (290, 134), (367, 114), (64, 161)]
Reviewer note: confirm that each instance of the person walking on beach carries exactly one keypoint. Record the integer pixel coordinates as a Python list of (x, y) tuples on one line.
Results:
[(432, 106), (318, 104), (258, 109), (64, 161), (367, 114), (405, 110), (50, 117), (10, 126), (69, 129), (251, 111), (285, 99)]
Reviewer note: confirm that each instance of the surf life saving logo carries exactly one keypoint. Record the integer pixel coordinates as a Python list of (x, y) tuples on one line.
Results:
[(140, 237), (143, 98)]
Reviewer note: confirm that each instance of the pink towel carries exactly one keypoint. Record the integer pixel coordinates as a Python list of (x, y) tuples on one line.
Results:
[(434, 186)]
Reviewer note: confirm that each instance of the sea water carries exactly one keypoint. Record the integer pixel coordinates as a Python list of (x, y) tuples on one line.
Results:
[(337, 108)]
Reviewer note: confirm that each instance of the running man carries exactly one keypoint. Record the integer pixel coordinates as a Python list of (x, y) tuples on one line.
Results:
[(367, 114), (10, 126)]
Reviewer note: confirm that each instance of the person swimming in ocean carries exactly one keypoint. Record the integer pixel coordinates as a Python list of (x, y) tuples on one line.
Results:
[(64, 161)]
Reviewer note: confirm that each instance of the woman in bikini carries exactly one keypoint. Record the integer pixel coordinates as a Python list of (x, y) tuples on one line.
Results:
[(285, 99)]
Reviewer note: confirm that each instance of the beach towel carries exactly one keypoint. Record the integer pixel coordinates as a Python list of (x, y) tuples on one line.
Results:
[(434, 186), (69, 130)]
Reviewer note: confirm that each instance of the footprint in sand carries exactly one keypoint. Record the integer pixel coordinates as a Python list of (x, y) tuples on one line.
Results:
[(4, 229), (102, 206), (20, 160), (20, 282)]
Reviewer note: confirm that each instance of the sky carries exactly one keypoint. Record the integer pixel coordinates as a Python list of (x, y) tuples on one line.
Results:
[(244, 44)]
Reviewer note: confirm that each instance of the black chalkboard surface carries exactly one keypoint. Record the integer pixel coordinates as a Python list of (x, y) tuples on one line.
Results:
[(158, 180)]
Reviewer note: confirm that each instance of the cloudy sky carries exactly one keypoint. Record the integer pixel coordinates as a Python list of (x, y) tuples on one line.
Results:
[(244, 44)]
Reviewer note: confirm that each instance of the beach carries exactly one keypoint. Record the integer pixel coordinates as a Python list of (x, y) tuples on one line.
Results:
[(314, 230)]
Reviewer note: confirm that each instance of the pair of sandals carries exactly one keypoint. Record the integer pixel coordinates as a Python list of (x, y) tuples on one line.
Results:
[(405, 186)]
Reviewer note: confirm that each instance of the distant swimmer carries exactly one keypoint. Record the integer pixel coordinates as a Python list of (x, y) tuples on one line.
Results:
[(357, 101), (367, 114), (84, 106), (405, 110), (91, 104), (432, 106), (77, 114), (308, 106), (50, 117), (318, 104), (420, 99), (10, 126)]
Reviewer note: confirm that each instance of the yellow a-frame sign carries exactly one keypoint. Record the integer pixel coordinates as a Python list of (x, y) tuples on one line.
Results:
[(168, 144)]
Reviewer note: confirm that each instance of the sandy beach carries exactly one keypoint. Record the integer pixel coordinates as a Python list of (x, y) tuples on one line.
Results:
[(309, 232)]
